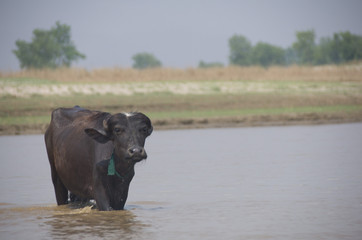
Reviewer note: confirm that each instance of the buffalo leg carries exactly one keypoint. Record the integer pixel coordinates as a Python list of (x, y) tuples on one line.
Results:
[(61, 192), (100, 182)]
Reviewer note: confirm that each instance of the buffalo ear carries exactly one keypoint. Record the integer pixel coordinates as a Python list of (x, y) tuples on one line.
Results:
[(99, 136), (150, 130)]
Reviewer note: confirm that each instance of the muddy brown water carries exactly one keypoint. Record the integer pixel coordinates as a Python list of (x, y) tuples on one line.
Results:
[(301, 182)]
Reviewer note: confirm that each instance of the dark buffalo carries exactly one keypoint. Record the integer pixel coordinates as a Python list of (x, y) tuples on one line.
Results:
[(92, 154)]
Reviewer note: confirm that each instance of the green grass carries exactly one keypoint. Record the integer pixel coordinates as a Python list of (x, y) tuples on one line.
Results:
[(258, 111), (24, 120), (21, 120), (30, 81)]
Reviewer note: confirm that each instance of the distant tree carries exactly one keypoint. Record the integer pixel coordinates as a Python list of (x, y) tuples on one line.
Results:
[(342, 47), (345, 47), (48, 49), (265, 54), (305, 46), (290, 56), (203, 64), (240, 50), (323, 52), (145, 60)]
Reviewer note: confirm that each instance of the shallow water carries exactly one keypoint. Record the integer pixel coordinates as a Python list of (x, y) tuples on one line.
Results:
[(299, 182)]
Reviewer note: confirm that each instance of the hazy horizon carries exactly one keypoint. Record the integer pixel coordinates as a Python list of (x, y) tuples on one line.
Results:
[(179, 34)]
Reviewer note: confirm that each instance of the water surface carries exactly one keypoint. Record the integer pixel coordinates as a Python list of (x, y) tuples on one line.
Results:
[(301, 182)]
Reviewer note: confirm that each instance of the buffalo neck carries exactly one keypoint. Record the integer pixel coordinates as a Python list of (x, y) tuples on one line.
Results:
[(124, 167)]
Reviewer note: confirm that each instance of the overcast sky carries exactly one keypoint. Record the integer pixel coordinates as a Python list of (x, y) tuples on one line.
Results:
[(179, 33)]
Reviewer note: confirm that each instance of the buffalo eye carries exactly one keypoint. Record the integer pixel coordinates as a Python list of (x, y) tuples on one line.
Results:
[(144, 130), (118, 130)]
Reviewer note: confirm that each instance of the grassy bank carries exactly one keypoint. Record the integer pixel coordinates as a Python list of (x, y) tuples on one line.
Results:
[(186, 98)]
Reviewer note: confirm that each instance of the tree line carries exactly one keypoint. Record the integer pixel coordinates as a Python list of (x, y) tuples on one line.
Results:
[(54, 48), (341, 48)]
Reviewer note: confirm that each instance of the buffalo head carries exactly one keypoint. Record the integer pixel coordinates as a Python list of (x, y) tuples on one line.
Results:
[(127, 131)]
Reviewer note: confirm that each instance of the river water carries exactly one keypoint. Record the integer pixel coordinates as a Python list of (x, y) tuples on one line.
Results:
[(300, 182)]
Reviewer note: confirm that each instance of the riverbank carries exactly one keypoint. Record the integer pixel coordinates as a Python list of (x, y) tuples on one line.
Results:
[(190, 98), (222, 122)]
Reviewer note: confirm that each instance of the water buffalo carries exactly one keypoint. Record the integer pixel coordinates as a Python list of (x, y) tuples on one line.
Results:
[(92, 154)]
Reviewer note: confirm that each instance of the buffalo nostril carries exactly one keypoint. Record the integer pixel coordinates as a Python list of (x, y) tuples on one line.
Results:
[(137, 153), (135, 150)]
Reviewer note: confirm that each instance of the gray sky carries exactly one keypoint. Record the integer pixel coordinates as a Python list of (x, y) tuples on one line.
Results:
[(179, 33)]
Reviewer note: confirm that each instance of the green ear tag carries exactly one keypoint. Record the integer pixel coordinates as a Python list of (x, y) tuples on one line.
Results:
[(111, 167)]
